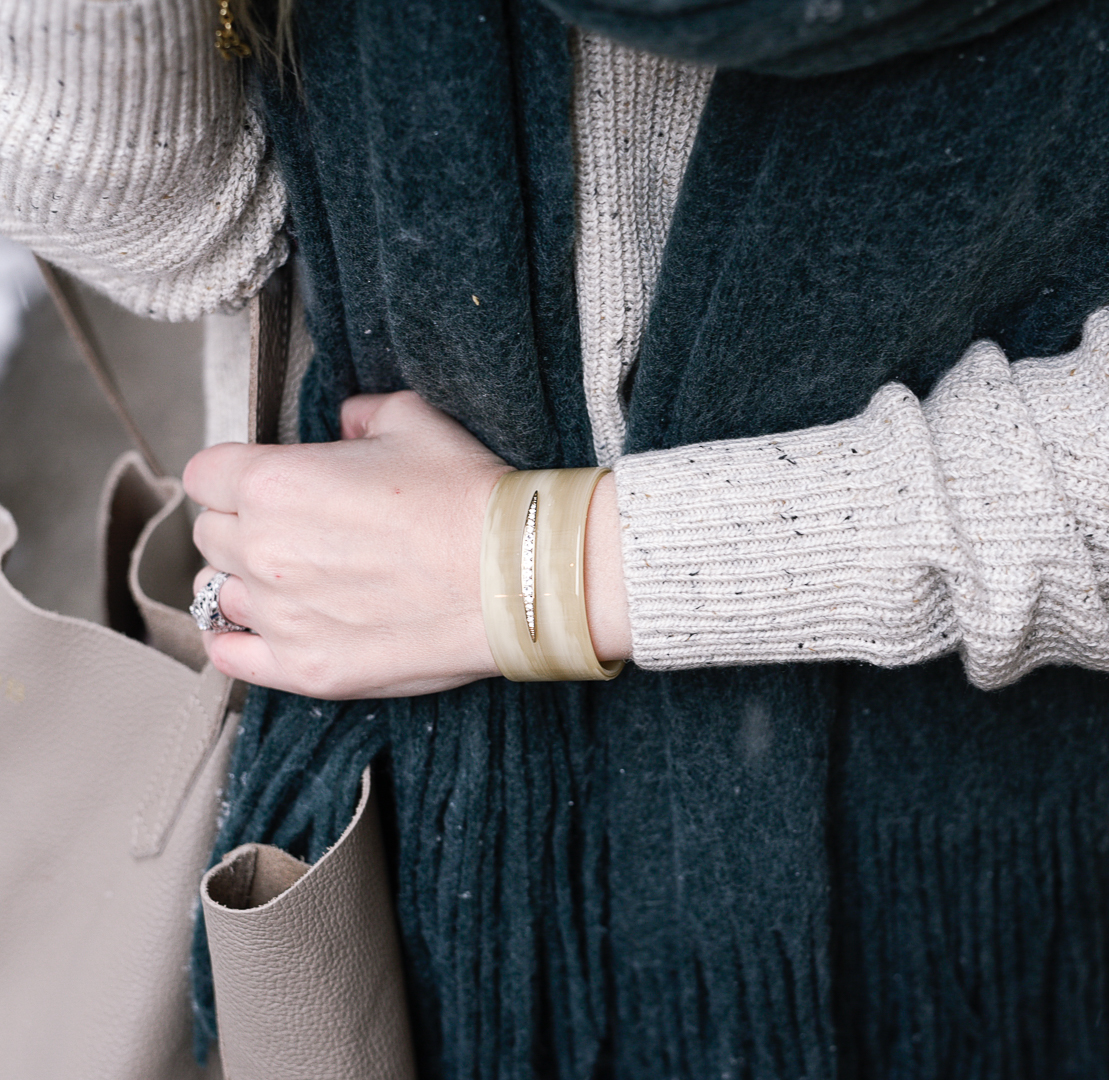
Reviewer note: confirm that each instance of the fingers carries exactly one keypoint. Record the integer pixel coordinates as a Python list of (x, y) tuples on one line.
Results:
[(367, 415), (213, 478), (202, 577), (358, 415), (216, 537), (246, 657)]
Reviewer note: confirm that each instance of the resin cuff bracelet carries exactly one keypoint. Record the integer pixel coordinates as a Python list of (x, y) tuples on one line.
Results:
[(533, 577)]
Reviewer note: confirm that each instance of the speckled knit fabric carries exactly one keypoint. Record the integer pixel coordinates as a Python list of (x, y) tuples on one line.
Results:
[(129, 156), (635, 118)]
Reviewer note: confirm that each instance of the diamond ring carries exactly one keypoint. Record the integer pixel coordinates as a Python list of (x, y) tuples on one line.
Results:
[(205, 608)]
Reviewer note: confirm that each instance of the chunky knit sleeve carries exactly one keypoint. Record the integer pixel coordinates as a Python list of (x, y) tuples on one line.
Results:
[(129, 156), (977, 521)]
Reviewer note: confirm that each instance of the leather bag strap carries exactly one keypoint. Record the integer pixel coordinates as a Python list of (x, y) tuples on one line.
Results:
[(77, 322), (269, 347), (270, 313)]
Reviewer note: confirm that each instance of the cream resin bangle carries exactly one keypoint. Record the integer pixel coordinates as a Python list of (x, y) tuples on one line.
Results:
[(533, 577)]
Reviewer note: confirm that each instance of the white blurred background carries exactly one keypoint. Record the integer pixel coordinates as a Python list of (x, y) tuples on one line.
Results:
[(20, 288)]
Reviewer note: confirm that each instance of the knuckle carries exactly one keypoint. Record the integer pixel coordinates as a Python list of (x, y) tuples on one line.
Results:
[(218, 654), (315, 672), (264, 481), (353, 407), (266, 558), (199, 528), (235, 602), (188, 475)]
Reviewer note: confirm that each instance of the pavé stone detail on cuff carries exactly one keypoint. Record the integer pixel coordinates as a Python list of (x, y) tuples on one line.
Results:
[(527, 564)]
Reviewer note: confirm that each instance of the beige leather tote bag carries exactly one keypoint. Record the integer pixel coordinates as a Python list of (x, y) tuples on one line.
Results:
[(113, 751)]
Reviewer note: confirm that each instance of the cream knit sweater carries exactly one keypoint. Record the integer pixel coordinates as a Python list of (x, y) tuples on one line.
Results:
[(977, 520), (129, 157)]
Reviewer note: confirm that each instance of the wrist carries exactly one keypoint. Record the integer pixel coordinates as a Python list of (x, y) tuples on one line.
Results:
[(477, 500)]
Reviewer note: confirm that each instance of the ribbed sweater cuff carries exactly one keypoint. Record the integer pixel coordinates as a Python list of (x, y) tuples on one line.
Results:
[(975, 521), (785, 548)]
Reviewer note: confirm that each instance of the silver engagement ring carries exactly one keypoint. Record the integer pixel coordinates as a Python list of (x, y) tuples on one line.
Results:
[(205, 608)]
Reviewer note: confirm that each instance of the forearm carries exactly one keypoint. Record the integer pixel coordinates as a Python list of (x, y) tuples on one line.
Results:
[(977, 521), (128, 155)]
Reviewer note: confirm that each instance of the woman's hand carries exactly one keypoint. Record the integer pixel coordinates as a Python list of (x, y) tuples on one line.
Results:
[(356, 563)]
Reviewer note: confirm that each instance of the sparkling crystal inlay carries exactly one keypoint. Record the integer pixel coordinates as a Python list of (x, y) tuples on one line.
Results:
[(527, 564)]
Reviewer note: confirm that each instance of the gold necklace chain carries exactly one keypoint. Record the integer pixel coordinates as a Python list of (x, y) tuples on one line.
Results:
[(228, 42)]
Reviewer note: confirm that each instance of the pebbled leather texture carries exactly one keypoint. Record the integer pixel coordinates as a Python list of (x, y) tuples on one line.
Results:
[(112, 756), (306, 961)]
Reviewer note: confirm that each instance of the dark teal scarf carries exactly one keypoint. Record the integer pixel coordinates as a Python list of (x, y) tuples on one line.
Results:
[(756, 872), (793, 37)]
